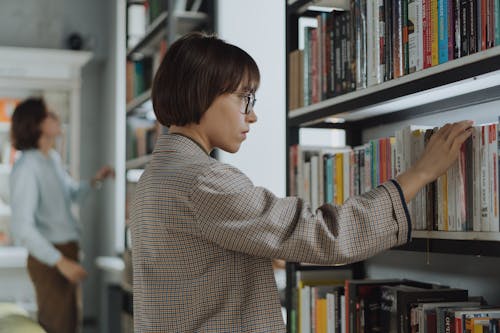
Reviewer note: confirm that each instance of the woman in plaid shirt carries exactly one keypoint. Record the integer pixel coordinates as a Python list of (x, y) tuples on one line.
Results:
[(204, 236)]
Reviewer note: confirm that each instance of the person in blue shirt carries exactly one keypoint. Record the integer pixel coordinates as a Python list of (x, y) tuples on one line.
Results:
[(41, 195)]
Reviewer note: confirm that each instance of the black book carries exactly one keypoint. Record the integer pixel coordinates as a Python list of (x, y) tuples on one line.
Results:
[(472, 29), (388, 75), (464, 27), (363, 302), (398, 300)]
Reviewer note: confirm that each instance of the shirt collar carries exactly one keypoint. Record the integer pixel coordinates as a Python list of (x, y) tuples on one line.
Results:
[(180, 143)]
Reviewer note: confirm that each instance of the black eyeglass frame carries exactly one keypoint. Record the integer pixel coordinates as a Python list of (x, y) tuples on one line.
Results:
[(250, 102)]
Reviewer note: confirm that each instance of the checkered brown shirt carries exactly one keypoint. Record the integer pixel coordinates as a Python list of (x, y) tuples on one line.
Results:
[(203, 238)]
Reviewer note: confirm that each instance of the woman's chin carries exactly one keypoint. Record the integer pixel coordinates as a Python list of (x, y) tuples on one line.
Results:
[(231, 148)]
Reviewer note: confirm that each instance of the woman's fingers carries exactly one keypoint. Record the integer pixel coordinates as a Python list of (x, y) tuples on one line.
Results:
[(457, 130)]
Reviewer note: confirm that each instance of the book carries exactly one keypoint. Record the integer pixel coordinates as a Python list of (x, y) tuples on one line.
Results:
[(398, 300), (363, 301)]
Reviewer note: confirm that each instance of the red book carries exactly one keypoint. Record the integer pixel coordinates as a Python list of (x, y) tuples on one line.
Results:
[(427, 33)]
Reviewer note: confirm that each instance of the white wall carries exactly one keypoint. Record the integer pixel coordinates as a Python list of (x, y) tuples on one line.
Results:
[(258, 27)]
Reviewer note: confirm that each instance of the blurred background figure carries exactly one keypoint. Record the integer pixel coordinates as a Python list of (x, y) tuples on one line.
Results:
[(42, 193)]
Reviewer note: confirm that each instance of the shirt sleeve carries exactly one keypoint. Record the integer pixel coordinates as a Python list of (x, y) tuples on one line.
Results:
[(24, 197), (230, 211), (77, 190)]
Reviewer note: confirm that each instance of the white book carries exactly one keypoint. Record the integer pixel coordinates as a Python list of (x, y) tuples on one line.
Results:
[(415, 36), (307, 183), (381, 37), (330, 313), (461, 199), (485, 197), (372, 43), (476, 178), (439, 204), (305, 309), (420, 35), (342, 314), (493, 173)]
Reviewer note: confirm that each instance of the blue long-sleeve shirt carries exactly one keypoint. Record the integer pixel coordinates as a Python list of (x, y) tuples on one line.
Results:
[(41, 192)]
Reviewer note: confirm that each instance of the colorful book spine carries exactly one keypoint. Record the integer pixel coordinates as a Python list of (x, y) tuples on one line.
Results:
[(442, 31)]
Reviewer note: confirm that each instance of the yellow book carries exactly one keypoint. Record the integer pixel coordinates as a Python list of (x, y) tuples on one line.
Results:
[(434, 33), (321, 315), (339, 179)]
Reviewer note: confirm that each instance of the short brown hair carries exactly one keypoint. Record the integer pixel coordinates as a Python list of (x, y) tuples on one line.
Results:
[(26, 123), (195, 71)]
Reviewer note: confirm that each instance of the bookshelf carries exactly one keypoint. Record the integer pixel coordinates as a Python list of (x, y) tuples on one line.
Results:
[(467, 81), (54, 75)]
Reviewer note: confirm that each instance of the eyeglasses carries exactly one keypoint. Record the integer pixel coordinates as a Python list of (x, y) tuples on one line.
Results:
[(250, 102)]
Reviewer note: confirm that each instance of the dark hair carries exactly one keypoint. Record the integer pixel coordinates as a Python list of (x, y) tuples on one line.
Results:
[(197, 69), (26, 121)]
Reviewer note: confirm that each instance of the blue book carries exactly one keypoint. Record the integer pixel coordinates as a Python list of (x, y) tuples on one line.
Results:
[(442, 31), (497, 23), (328, 171)]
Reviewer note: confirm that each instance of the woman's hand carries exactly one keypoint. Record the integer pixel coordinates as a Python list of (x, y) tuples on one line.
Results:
[(103, 173), (439, 154), (71, 270)]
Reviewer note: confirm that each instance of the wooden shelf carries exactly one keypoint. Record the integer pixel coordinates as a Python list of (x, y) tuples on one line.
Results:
[(453, 82), (138, 101), (186, 21)]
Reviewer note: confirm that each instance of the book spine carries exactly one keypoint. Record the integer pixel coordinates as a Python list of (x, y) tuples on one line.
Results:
[(413, 29), (434, 32), (404, 37), (397, 33), (473, 33), (451, 29), (442, 31), (307, 64), (426, 33), (497, 22), (331, 54), (457, 44), (381, 41), (464, 27), (388, 73)]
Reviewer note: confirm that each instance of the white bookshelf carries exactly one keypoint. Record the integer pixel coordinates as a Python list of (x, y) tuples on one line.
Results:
[(54, 75), (457, 235), (429, 94)]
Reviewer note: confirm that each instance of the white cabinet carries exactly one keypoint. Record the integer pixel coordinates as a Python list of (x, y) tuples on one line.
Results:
[(55, 76)]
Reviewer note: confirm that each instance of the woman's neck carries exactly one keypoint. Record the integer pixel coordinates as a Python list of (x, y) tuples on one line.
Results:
[(45, 145), (193, 133)]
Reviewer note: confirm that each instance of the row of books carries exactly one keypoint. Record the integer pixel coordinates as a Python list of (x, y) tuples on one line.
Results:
[(326, 304), (465, 198), (377, 41), (140, 16), (140, 73), (141, 137)]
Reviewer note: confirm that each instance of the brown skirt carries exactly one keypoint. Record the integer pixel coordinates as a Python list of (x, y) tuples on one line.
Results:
[(58, 300)]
